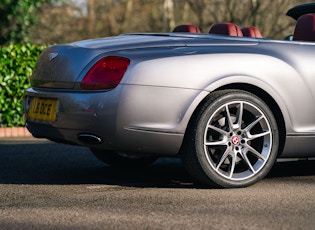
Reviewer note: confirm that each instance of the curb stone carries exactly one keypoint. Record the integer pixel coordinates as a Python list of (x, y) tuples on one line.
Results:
[(13, 132)]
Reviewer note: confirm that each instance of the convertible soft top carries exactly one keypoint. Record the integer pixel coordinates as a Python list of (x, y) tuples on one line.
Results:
[(299, 10)]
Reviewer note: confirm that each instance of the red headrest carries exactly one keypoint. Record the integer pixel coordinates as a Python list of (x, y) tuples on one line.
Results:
[(187, 28), (230, 29), (251, 31), (305, 28)]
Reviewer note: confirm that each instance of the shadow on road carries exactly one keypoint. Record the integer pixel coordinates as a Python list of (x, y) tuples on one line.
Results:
[(51, 163)]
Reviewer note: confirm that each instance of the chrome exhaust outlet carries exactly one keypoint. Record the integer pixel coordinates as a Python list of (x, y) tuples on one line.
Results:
[(89, 139)]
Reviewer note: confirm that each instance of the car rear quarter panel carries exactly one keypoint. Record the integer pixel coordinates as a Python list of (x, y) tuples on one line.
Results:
[(208, 72), (284, 70)]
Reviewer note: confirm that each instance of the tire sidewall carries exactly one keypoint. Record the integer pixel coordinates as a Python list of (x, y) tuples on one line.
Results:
[(203, 119)]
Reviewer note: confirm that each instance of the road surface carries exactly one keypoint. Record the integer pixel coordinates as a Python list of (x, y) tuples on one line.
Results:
[(44, 185)]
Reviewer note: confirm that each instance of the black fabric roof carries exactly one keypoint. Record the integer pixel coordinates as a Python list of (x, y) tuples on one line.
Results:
[(299, 10)]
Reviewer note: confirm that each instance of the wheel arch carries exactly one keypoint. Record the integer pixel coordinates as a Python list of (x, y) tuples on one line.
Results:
[(263, 95)]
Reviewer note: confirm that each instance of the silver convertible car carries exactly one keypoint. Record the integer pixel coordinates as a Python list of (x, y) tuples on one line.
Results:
[(227, 102)]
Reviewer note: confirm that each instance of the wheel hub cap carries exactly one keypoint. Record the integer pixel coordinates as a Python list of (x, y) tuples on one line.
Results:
[(235, 140)]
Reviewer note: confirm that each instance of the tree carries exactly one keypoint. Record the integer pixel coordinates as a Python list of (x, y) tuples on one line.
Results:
[(60, 22), (16, 19), (169, 14), (71, 20)]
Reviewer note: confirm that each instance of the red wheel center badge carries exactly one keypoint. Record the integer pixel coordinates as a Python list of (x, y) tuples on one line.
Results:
[(235, 140)]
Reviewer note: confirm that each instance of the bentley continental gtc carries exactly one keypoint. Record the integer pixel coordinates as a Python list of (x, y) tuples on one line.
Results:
[(228, 102)]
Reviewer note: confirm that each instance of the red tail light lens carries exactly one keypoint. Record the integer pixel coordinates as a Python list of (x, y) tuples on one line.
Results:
[(106, 73)]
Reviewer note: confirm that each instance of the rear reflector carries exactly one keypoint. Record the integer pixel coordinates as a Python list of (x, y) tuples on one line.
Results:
[(106, 73)]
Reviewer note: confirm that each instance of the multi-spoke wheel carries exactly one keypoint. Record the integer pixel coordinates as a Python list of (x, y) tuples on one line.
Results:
[(123, 160), (232, 141)]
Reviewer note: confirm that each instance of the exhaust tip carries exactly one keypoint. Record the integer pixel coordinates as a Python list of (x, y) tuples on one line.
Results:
[(89, 139)]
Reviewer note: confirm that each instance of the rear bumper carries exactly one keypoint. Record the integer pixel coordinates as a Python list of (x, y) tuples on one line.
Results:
[(135, 142), (104, 115)]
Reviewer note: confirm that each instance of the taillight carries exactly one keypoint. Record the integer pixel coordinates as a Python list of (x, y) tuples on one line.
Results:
[(106, 73)]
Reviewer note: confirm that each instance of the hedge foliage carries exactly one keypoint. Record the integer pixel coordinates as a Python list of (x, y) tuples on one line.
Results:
[(16, 65)]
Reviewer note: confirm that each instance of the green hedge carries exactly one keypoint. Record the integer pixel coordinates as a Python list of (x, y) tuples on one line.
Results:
[(16, 65)]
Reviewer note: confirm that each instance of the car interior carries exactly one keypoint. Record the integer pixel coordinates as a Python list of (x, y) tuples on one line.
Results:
[(226, 28), (304, 29)]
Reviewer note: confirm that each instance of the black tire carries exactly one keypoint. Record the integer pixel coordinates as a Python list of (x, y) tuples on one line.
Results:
[(121, 160), (232, 140)]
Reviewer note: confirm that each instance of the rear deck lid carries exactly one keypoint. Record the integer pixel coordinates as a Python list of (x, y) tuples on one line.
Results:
[(59, 66)]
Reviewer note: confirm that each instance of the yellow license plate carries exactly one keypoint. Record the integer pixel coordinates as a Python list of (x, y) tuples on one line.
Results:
[(44, 109)]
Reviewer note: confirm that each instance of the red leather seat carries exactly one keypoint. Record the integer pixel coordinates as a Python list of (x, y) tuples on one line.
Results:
[(229, 29), (187, 28), (305, 28), (251, 31)]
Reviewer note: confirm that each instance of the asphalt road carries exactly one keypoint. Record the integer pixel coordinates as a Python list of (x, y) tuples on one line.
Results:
[(44, 185)]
